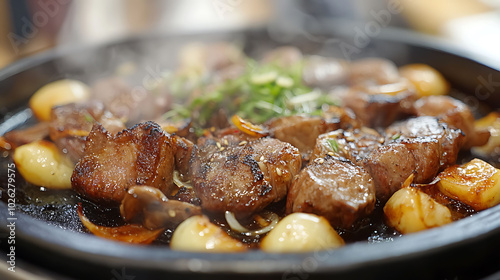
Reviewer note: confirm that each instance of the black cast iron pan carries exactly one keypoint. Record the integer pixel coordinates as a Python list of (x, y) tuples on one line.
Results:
[(49, 234)]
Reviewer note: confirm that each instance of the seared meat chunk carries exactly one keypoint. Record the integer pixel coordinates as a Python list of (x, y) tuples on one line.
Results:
[(455, 113), (302, 131), (376, 93), (337, 190), (141, 155), (376, 109), (353, 144), (70, 124), (373, 71), (243, 177), (18, 137), (183, 154), (421, 146)]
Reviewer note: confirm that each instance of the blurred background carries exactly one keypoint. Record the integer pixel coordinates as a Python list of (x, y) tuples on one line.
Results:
[(31, 26)]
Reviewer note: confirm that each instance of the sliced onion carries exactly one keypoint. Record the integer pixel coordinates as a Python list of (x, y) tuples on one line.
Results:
[(236, 226), (434, 181), (179, 183), (128, 233)]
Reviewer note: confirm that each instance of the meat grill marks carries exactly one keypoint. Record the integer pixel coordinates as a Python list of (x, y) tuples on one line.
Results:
[(338, 190), (141, 155), (422, 146), (242, 176), (70, 124)]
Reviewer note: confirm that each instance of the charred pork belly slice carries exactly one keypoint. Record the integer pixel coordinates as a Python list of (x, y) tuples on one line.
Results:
[(337, 190), (141, 155), (421, 146), (455, 113), (352, 144), (302, 131), (70, 124), (243, 177)]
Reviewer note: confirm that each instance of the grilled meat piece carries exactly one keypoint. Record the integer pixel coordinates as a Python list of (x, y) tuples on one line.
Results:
[(421, 146), (184, 150), (455, 113), (70, 124), (376, 93), (373, 71), (302, 131), (375, 109), (18, 137), (242, 176), (352, 144), (141, 155), (337, 190)]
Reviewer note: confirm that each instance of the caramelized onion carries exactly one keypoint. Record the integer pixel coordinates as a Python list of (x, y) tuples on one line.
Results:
[(248, 127), (128, 233), (179, 183), (236, 226)]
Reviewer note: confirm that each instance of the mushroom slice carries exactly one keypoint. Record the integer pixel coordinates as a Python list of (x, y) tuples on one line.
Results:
[(149, 206), (128, 233)]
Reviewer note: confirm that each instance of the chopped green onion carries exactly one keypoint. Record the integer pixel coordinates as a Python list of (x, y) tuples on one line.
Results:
[(264, 91), (88, 117), (333, 143), (396, 136), (269, 106)]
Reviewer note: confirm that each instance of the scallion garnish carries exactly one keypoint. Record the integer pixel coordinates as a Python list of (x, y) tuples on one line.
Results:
[(333, 144)]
